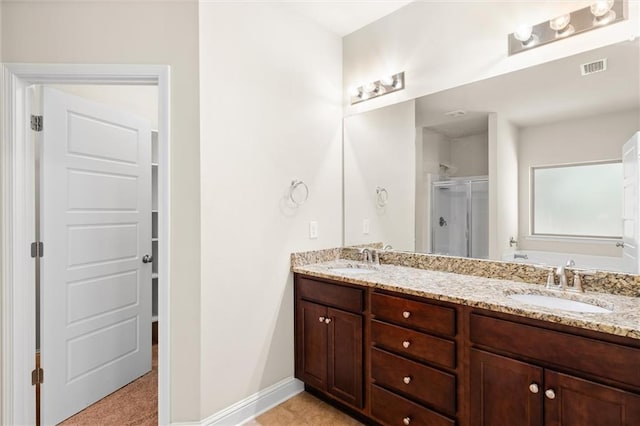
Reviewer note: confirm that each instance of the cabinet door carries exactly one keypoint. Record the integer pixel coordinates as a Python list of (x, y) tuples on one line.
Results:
[(311, 345), (504, 391), (345, 356), (570, 401)]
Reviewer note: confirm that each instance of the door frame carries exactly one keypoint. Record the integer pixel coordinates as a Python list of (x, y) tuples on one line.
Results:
[(17, 223)]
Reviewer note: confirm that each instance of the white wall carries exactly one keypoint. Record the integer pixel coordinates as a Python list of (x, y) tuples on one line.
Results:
[(442, 44), (469, 154), (380, 150), (271, 112), (139, 33), (585, 139), (503, 185)]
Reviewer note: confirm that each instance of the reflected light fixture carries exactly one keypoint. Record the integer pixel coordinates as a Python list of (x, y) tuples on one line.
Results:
[(602, 13), (385, 85), (562, 25), (599, 14)]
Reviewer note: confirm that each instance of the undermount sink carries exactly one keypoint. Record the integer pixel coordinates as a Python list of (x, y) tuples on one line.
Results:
[(554, 302), (351, 270)]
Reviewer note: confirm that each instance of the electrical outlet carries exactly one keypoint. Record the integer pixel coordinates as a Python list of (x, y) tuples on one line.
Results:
[(365, 227), (313, 230)]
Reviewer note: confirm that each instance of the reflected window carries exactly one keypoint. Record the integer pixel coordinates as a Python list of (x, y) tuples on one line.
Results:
[(577, 200)]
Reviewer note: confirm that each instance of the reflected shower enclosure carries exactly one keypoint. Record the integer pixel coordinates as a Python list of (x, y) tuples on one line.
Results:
[(460, 217)]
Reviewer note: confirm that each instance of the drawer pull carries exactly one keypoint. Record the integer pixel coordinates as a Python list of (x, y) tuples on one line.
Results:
[(406, 314), (533, 387), (321, 319), (327, 321), (406, 344), (550, 393), (406, 380), (406, 420)]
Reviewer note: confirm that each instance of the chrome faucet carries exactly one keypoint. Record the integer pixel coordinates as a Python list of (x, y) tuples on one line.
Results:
[(366, 255), (370, 256), (562, 274)]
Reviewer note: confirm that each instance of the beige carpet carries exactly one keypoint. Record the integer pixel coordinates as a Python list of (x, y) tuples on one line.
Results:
[(134, 404), (303, 410)]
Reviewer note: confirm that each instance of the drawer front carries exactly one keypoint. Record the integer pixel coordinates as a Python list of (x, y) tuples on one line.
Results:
[(608, 360), (414, 380), (414, 344), (347, 298), (391, 409), (409, 313)]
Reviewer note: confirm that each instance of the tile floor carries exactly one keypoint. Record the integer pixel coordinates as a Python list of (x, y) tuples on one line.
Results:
[(303, 410)]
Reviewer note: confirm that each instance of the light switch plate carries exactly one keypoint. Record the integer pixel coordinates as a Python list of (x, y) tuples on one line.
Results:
[(313, 230), (366, 227)]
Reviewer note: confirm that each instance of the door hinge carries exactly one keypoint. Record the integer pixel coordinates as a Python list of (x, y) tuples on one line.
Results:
[(36, 123), (37, 376), (37, 249)]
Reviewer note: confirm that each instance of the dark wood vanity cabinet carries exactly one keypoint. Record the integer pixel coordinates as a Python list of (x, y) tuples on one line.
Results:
[(329, 339), (413, 361), (523, 386), (406, 360)]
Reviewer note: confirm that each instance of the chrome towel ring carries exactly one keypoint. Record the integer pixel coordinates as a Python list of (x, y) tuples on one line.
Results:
[(382, 196), (298, 192)]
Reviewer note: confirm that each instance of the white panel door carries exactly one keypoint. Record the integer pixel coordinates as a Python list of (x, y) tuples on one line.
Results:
[(630, 209), (96, 227)]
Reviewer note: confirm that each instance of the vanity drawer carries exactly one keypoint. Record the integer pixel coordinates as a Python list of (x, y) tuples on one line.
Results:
[(410, 313), (343, 297), (429, 385), (413, 344), (576, 353), (391, 409)]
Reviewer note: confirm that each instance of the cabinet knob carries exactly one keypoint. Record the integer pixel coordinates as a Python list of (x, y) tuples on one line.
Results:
[(321, 319), (550, 393), (327, 321), (533, 387), (406, 420), (406, 314), (406, 344), (406, 380)]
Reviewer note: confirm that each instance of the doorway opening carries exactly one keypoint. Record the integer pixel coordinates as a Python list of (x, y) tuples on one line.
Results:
[(19, 196)]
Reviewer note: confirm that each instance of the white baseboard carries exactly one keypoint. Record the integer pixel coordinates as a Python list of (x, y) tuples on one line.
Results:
[(252, 406)]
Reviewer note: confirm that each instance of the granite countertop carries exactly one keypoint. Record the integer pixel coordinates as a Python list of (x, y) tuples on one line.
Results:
[(490, 294)]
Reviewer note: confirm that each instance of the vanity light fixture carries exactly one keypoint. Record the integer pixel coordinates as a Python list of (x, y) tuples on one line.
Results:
[(385, 85), (599, 14)]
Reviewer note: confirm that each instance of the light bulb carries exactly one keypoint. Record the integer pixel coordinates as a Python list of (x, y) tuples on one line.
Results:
[(354, 91), (523, 33), (388, 81), (560, 23), (371, 88), (601, 7)]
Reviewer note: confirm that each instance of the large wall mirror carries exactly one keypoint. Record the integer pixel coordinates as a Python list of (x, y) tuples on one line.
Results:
[(527, 166)]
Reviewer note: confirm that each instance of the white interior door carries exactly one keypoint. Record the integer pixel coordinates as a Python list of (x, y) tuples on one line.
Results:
[(95, 224), (630, 209)]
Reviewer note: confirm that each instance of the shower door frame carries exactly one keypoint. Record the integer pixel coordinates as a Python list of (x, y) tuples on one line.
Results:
[(432, 208)]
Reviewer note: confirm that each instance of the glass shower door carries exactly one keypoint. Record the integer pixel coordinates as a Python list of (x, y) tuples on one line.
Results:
[(450, 210)]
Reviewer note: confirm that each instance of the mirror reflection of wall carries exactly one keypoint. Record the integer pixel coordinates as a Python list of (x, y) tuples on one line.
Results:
[(501, 129)]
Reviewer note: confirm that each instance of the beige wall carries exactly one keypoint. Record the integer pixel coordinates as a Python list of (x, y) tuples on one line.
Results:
[(380, 150), (442, 44), (583, 139), (139, 33), (271, 112), (469, 154)]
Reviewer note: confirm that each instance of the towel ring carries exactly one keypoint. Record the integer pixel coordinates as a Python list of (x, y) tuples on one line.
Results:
[(382, 196), (293, 189)]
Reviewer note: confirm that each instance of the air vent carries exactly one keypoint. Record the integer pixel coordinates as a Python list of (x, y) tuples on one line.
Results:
[(594, 67), (456, 113)]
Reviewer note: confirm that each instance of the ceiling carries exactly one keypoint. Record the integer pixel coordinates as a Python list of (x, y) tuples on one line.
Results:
[(343, 17), (545, 93)]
